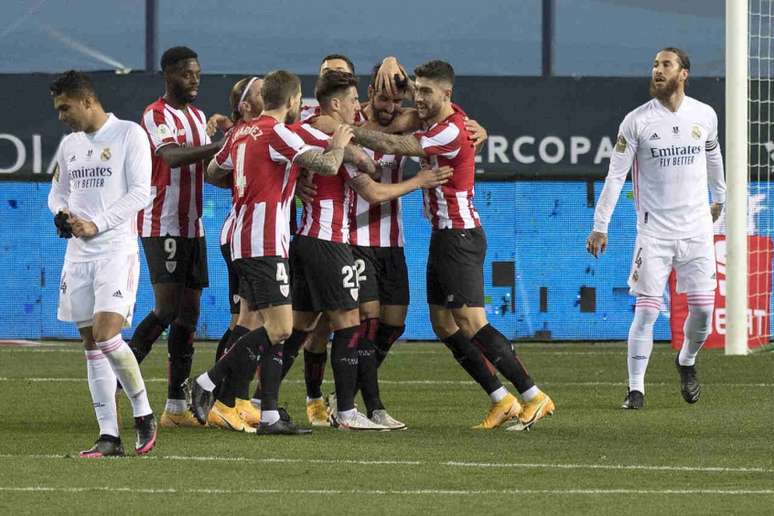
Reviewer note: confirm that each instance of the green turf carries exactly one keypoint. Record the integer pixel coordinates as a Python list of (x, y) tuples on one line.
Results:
[(569, 464)]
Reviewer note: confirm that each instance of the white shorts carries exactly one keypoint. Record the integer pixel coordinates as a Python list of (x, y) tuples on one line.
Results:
[(692, 258), (106, 285)]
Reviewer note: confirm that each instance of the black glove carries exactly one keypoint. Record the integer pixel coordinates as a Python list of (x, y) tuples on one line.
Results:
[(63, 228)]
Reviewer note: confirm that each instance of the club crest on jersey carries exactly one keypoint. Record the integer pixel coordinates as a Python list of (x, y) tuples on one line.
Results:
[(354, 292), (171, 266), (620, 143), (105, 155), (285, 290), (163, 131), (696, 132)]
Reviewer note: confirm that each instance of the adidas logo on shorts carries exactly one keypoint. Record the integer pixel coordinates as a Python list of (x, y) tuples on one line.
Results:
[(118, 294)]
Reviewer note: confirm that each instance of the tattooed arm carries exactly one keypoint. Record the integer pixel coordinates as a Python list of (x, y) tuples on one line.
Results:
[(327, 163), (388, 143)]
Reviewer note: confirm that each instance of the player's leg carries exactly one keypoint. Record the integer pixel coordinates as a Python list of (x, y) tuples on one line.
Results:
[(162, 256), (315, 357), (115, 288), (696, 275), (392, 275), (233, 300), (651, 265)]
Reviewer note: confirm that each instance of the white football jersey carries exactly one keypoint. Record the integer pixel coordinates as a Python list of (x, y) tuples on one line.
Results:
[(103, 177), (673, 157)]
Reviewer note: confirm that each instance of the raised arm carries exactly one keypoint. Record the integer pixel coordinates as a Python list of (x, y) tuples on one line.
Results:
[(400, 145)]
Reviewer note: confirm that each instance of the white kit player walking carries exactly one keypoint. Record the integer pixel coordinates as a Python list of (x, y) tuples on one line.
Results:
[(671, 145), (102, 181)]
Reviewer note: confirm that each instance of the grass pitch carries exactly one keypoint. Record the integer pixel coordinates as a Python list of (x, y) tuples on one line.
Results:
[(590, 458)]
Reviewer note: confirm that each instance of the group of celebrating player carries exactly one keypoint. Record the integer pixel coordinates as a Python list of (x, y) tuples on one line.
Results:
[(340, 269)]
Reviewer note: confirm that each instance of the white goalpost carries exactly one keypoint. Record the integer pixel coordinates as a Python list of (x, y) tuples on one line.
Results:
[(736, 138)]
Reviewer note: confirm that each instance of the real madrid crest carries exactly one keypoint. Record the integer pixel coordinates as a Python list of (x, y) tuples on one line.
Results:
[(105, 154), (696, 132)]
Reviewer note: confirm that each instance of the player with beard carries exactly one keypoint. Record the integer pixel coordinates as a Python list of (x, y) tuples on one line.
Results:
[(455, 283), (671, 145), (170, 225), (232, 409)]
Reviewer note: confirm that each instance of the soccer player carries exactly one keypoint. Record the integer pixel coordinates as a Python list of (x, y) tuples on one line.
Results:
[(455, 283), (170, 225), (325, 275), (671, 145), (102, 180), (262, 153), (232, 409)]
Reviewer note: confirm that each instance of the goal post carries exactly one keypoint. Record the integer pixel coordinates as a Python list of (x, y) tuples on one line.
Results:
[(736, 140)]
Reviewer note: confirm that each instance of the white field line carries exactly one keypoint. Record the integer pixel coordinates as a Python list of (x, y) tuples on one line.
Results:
[(405, 382), (450, 464), (391, 492)]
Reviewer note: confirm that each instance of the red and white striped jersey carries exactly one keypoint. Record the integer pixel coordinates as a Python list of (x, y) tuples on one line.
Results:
[(379, 225), (261, 154), (450, 206), (175, 208), (327, 216), (308, 112), (220, 157)]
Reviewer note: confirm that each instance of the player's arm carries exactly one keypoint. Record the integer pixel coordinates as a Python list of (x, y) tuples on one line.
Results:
[(176, 155), (620, 162), (396, 144), (375, 192), (58, 197), (716, 177), (356, 156), (327, 162), (217, 176), (392, 78), (137, 168), (476, 134), (218, 122)]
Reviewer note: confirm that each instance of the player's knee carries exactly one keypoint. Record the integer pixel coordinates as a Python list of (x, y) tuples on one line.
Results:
[(444, 328), (102, 334), (166, 314), (700, 317), (279, 332), (317, 344)]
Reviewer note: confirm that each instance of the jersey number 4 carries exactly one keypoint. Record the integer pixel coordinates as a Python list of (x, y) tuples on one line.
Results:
[(240, 181)]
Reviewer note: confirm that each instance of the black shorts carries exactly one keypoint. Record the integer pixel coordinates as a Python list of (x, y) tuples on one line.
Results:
[(263, 281), (382, 274), (177, 260), (324, 275), (233, 279), (455, 268)]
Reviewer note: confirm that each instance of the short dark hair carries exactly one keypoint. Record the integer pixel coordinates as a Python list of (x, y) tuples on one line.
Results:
[(331, 84), (73, 84), (173, 56), (339, 56), (436, 70), (278, 87), (682, 56)]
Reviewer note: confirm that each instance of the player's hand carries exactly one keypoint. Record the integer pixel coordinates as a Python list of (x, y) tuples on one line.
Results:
[(476, 134), (596, 243), (62, 222), (430, 178), (716, 209), (218, 121), (391, 77), (84, 228), (305, 188), (341, 137)]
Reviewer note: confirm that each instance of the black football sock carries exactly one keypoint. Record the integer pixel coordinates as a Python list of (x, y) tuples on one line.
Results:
[(499, 351), (222, 344), (180, 349), (271, 374), (472, 361), (314, 371), (290, 349), (232, 385), (235, 353), (147, 332), (344, 365), (367, 376), (386, 335)]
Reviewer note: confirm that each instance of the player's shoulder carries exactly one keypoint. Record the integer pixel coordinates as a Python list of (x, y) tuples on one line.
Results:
[(449, 128), (127, 126), (700, 107), (157, 105), (640, 116), (307, 129)]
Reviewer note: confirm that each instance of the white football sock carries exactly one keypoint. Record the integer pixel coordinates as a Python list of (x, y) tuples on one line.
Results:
[(640, 342), (102, 385), (498, 394), (205, 382), (256, 403), (269, 416), (128, 373), (530, 394), (697, 326), (175, 406)]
